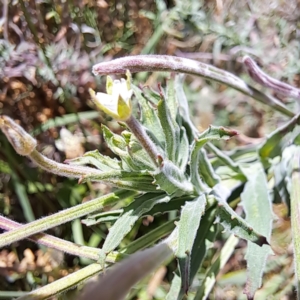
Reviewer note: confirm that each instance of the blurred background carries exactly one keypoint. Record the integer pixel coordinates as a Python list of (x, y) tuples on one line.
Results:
[(47, 49)]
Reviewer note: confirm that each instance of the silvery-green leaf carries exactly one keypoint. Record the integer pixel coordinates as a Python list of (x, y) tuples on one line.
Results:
[(171, 99), (131, 214), (192, 131), (175, 288), (107, 216), (232, 222), (274, 142), (212, 133), (118, 145), (172, 180), (138, 181), (258, 209), (148, 116), (206, 232), (206, 170), (94, 158), (170, 128), (188, 225), (183, 151)]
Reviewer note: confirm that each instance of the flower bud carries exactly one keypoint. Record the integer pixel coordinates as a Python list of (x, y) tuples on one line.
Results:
[(22, 142)]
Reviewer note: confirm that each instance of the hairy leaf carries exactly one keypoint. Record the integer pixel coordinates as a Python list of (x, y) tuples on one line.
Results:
[(274, 142), (131, 214), (170, 129), (148, 116), (172, 180), (96, 159), (232, 222), (188, 225), (258, 209)]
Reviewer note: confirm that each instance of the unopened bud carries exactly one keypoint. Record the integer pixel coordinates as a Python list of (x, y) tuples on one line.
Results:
[(22, 142)]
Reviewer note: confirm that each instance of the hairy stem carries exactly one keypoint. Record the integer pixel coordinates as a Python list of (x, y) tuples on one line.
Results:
[(142, 63), (265, 80), (57, 243), (140, 133), (62, 169), (62, 217)]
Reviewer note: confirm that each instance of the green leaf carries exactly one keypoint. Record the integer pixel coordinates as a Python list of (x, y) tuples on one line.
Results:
[(118, 145), (172, 180), (137, 181), (184, 111), (225, 159), (183, 152), (170, 128), (206, 170), (139, 156), (131, 214), (96, 159), (148, 116), (274, 142), (150, 238), (171, 99), (258, 209), (107, 216), (212, 133), (205, 232), (232, 222), (188, 225), (175, 288), (175, 204)]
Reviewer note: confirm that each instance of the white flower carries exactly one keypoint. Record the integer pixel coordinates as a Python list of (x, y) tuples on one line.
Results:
[(117, 101)]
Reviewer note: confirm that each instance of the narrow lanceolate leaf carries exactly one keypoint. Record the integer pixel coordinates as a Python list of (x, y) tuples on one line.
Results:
[(212, 133), (172, 180), (118, 145), (62, 217), (139, 156), (188, 225), (184, 112), (137, 181), (183, 150), (258, 209), (232, 222), (148, 116), (206, 170), (96, 159), (170, 129), (131, 214), (171, 98), (175, 288), (273, 144), (107, 216), (295, 212)]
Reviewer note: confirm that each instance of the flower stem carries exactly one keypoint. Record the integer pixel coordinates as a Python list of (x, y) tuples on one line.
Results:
[(61, 169), (265, 80), (138, 130), (62, 217), (57, 243), (152, 63)]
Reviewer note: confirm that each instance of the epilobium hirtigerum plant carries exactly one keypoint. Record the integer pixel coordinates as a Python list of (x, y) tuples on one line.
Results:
[(163, 165)]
